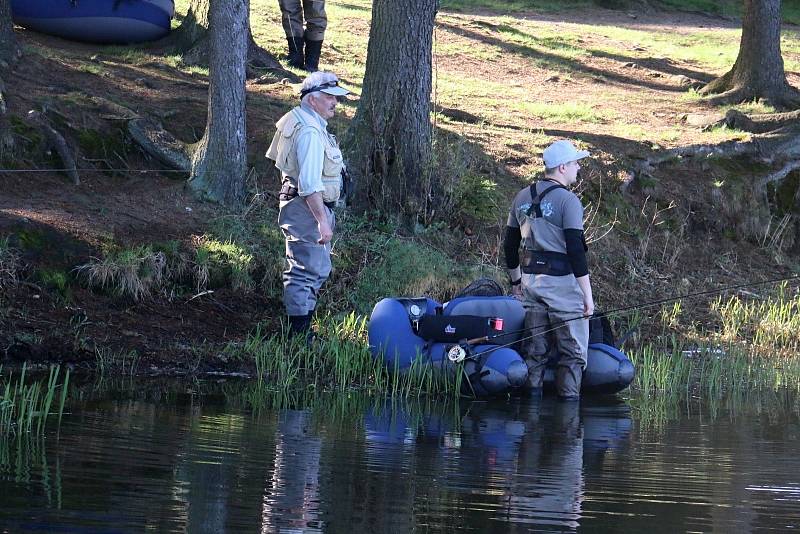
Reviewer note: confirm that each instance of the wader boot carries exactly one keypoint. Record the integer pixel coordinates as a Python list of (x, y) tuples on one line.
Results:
[(568, 381), (296, 57), (313, 51), (299, 325)]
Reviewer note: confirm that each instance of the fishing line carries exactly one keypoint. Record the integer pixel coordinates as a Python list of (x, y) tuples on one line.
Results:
[(624, 309)]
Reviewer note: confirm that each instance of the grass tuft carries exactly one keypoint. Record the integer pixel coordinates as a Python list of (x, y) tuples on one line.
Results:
[(10, 264)]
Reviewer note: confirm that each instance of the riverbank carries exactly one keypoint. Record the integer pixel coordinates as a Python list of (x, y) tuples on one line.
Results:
[(128, 267)]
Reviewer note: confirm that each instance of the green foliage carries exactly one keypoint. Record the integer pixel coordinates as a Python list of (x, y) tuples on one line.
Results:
[(55, 280), (478, 197), (402, 267), (219, 263), (102, 144)]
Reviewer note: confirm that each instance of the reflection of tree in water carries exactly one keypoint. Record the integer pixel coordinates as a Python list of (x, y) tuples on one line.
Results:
[(291, 497)]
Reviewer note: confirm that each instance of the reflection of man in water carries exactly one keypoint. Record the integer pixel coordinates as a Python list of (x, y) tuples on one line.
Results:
[(538, 454), (291, 498), (549, 487)]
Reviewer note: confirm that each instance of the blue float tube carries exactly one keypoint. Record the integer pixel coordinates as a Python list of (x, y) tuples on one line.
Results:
[(96, 21), (392, 338)]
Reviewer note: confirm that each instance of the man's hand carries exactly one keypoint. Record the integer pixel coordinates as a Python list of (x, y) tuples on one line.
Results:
[(516, 291), (588, 306), (325, 232)]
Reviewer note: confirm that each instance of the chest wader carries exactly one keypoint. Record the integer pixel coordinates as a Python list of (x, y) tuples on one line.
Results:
[(308, 263), (554, 300)]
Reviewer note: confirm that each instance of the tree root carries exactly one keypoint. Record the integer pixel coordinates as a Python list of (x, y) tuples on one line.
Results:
[(780, 174), (775, 141), (56, 141), (160, 144)]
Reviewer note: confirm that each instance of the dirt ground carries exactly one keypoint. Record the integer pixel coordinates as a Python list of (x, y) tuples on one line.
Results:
[(69, 224)]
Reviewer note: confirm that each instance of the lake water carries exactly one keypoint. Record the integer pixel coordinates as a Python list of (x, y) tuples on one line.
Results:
[(183, 462)]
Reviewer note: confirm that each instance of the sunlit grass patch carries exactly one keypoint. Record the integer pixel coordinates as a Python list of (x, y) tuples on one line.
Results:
[(218, 262), (128, 54), (568, 111), (543, 6)]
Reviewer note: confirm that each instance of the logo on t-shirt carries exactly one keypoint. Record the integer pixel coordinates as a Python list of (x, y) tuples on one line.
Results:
[(547, 208)]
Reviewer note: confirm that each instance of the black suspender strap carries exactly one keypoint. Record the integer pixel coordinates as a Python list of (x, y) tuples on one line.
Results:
[(536, 200)]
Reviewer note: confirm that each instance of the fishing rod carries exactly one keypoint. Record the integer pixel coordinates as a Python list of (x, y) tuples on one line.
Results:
[(459, 351)]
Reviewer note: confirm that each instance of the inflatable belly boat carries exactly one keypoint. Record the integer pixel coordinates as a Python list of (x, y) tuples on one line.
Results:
[(405, 331), (96, 21)]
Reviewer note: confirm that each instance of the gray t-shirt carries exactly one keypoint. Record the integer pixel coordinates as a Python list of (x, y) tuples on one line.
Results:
[(561, 210)]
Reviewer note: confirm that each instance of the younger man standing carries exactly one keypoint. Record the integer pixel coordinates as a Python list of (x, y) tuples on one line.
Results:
[(552, 278)]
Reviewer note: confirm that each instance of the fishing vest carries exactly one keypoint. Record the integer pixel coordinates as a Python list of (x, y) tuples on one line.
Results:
[(282, 151)]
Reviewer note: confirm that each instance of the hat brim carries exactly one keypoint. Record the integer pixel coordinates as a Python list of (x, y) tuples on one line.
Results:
[(581, 154), (335, 91)]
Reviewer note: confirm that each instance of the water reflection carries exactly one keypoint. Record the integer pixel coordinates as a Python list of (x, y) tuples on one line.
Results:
[(522, 462), (351, 464), (291, 497)]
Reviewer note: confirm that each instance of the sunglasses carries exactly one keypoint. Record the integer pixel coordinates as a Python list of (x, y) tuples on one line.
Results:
[(320, 87)]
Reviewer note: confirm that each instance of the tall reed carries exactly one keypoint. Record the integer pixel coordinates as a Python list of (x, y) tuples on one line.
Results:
[(340, 360), (26, 408)]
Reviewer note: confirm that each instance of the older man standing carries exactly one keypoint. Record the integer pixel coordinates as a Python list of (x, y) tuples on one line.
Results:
[(305, 45), (311, 167), (553, 278)]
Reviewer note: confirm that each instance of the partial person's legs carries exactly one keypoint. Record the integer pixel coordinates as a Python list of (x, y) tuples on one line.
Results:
[(292, 20), (537, 348), (316, 22), (572, 340)]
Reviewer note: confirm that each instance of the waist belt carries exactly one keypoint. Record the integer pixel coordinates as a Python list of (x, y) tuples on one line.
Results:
[(546, 262), (288, 192)]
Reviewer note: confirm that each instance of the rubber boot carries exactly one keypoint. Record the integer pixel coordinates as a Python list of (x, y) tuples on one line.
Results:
[(313, 51), (568, 382), (299, 325), (296, 57)]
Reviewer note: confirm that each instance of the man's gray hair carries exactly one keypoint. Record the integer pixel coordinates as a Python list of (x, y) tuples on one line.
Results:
[(314, 79)]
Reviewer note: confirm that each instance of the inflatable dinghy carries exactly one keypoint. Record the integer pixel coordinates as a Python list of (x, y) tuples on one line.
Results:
[(96, 21), (405, 331)]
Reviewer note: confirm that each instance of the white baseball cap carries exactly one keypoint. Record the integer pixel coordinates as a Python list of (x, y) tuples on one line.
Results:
[(562, 152)]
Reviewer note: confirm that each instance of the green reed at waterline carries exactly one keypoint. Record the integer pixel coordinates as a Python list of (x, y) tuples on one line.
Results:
[(339, 360), (25, 408)]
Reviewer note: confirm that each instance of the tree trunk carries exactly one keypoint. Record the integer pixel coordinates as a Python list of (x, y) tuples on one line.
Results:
[(9, 51), (758, 71), (219, 161), (389, 140), (192, 37)]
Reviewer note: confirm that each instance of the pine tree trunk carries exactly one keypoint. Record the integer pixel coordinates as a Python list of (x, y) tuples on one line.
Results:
[(219, 162), (758, 71), (389, 140), (9, 51)]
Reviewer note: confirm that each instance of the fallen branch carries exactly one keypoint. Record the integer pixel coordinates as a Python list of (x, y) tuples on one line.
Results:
[(56, 141)]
